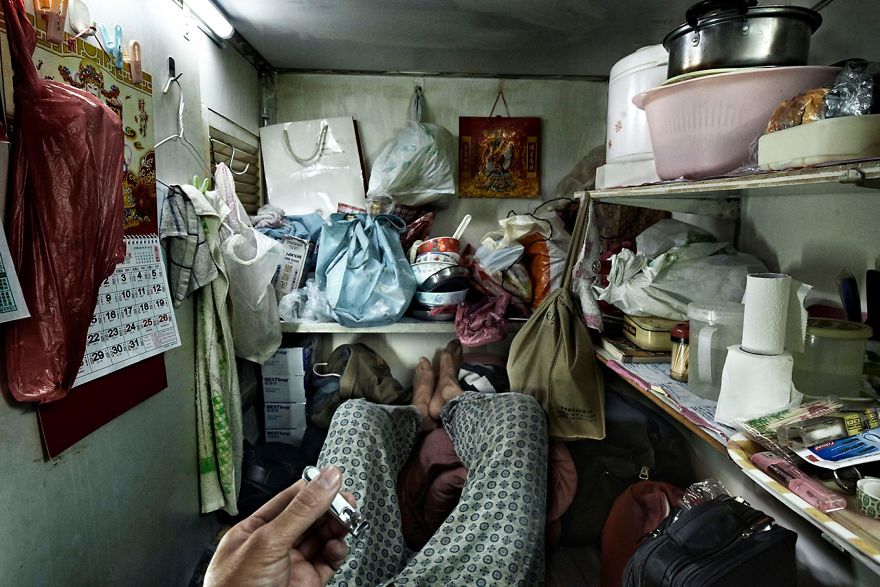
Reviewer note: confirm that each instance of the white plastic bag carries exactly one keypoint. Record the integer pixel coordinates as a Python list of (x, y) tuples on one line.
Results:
[(251, 260), (699, 272), (417, 166), (667, 233)]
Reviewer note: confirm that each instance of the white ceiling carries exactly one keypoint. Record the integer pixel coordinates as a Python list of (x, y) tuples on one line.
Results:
[(490, 37)]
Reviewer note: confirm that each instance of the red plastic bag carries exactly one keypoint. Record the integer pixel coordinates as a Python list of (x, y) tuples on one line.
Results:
[(65, 218)]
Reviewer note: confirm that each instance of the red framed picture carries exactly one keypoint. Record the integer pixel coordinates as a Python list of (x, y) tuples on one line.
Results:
[(499, 157)]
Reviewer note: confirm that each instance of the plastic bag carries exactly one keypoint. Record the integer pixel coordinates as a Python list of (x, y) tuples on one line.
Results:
[(483, 322), (664, 286), (362, 268), (417, 166), (667, 233), (853, 91), (307, 304), (64, 215), (251, 260)]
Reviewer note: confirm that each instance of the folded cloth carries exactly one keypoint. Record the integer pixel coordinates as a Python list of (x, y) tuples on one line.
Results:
[(430, 485), (306, 227), (190, 265)]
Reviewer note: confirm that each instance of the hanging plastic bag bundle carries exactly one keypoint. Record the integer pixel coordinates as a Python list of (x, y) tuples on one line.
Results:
[(362, 268), (65, 218), (417, 166)]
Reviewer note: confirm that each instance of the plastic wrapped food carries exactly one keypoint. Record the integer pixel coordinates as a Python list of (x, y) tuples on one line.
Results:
[(803, 109), (65, 217)]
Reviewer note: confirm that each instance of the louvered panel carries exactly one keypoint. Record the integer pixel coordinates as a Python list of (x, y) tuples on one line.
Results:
[(245, 166)]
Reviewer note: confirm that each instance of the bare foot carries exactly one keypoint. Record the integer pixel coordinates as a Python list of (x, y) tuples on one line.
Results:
[(423, 392), (447, 386)]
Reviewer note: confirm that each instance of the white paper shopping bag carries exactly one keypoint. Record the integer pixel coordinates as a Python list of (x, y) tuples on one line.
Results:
[(313, 165)]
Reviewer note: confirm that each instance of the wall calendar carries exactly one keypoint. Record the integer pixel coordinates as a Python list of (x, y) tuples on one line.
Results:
[(133, 319)]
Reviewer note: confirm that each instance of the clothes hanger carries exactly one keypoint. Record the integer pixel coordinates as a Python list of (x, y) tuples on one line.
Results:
[(232, 158), (181, 132)]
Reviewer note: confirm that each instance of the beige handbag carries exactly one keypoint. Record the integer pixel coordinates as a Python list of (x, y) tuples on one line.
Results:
[(552, 358)]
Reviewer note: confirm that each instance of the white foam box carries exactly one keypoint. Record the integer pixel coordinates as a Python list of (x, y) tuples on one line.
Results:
[(289, 436), (285, 416)]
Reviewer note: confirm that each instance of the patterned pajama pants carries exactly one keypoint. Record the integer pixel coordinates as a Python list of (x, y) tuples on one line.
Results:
[(495, 535)]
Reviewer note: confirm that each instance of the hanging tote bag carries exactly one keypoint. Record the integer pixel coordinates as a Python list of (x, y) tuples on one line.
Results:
[(313, 165), (362, 268), (552, 358)]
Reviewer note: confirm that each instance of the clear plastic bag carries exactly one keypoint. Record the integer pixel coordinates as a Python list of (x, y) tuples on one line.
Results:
[(417, 166), (853, 91), (307, 304), (702, 491)]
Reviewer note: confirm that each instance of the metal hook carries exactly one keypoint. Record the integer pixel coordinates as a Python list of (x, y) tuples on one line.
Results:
[(232, 158)]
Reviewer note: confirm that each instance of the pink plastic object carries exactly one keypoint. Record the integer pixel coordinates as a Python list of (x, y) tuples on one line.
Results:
[(705, 126), (483, 322), (65, 217)]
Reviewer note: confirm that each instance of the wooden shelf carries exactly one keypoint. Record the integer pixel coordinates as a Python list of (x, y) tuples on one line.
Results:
[(719, 197), (848, 529), (639, 386), (404, 326)]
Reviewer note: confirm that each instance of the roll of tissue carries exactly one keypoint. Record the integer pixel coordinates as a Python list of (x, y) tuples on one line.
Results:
[(766, 313), (753, 385)]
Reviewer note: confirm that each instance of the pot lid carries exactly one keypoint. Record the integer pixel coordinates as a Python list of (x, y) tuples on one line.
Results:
[(739, 10)]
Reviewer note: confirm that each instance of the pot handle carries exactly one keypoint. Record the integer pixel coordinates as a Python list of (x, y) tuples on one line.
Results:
[(701, 9)]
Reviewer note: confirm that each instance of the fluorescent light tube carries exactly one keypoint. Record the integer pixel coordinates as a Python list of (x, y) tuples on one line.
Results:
[(212, 17)]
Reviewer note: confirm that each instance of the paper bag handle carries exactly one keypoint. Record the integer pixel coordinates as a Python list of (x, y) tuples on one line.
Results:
[(319, 145)]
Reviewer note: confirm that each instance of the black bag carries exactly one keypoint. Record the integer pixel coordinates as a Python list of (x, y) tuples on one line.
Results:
[(723, 542), (639, 444)]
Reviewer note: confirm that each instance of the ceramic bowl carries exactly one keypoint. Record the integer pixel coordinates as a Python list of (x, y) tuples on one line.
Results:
[(441, 244), (868, 492), (432, 299), (438, 258)]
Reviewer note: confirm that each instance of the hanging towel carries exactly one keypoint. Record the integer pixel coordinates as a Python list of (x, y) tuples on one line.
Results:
[(190, 265), (218, 402)]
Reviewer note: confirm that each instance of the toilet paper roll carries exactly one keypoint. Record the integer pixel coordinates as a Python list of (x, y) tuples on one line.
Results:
[(753, 385), (766, 313)]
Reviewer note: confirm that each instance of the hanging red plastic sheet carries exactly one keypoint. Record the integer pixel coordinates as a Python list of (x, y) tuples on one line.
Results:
[(64, 218)]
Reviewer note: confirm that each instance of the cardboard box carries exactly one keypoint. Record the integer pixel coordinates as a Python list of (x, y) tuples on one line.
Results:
[(293, 269), (285, 416), (285, 390), (289, 436), (288, 361)]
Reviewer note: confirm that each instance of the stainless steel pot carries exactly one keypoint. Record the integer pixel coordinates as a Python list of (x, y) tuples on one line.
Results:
[(736, 33)]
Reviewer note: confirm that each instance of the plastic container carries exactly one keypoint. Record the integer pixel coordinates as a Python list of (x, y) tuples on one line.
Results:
[(833, 358), (627, 126), (822, 141), (714, 327), (680, 352), (705, 126)]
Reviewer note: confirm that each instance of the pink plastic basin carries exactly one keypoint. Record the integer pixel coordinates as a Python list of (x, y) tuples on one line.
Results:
[(706, 126)]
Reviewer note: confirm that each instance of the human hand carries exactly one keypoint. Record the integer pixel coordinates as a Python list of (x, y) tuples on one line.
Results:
[(291, 541)]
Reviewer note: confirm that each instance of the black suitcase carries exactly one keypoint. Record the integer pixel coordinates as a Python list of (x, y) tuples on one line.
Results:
[(722, 542)]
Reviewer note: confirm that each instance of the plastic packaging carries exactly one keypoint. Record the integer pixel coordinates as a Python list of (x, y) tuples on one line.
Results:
[(64, 218), (667, 233), (307, 304), (763, 429), (483, 322), (702, 491), (853, 91), (417, 166)]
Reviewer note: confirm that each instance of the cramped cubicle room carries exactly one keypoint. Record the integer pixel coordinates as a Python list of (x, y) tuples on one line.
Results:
[(544, 292)]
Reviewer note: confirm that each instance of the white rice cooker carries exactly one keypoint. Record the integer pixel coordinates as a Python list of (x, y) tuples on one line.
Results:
[(629, 158)]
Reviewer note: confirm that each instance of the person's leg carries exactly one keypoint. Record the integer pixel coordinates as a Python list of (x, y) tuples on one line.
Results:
[(370, 443), (495, 536)]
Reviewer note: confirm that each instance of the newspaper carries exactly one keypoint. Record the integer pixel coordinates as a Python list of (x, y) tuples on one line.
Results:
[(655, 378)]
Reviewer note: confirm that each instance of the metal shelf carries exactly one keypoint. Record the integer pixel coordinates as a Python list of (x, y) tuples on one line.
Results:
[(720, 196), (404, 326)]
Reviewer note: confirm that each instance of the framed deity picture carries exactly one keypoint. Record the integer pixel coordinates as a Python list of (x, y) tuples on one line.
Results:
[(499, 157)]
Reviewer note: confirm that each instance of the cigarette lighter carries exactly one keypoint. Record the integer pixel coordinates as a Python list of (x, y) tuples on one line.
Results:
[(343, 511), (815, 494)]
